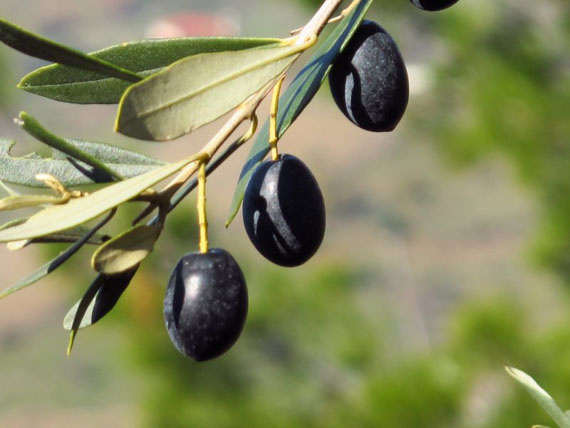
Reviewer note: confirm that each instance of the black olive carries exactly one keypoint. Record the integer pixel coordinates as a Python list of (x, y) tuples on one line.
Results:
[(284, 211), (205, 304)]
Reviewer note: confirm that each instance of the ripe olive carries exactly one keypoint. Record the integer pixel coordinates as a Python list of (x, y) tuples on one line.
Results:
[(284, 211), (205, 304), (433, 5), (369, 81)]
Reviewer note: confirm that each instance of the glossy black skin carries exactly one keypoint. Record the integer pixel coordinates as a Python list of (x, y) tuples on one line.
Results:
[(205, 304), (433, 5), (284, 211), (369, 81)]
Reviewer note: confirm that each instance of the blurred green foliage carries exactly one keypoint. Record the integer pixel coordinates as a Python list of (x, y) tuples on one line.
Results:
[(505, 89), (311, 356)]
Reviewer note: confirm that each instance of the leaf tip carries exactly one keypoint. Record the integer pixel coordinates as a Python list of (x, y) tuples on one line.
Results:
[(71, 341), (519, 375)]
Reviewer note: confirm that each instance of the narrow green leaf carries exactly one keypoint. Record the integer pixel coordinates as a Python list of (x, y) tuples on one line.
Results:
[(35, 129), (171, 103), (108, 291), (80, 210), (53, 264), (27, 201), (82, 307), (145, 57), (23, 170), (40, 47), (298, 95), (65, 236), (125, 251), (541, 396)]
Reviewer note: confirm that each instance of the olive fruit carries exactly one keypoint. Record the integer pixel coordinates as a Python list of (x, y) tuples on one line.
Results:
[(369, 81), (205, 304), (433, 5), (284, 211)]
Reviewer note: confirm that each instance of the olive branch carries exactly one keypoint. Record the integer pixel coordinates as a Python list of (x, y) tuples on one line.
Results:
[(157, 102)]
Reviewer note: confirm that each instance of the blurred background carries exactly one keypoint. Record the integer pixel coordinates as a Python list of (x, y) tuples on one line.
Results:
[(446, 256)]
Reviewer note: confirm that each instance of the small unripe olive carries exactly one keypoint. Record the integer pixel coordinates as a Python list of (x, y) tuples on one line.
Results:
[(284, 211), (369, 81), (205, 304)]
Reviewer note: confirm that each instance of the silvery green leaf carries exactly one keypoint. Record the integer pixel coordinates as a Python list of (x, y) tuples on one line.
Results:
[(80, 210), (197, 90), (71, 173), (126, 250), (541, 396), (145, 57)]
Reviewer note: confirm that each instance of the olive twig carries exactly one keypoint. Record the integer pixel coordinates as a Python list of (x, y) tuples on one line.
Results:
[(273, 137), (341, 15), (202, 218)]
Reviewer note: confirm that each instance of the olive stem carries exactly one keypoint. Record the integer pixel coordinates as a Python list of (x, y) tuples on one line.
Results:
[(202, 219), (319, 20), (273, 137), (341, 15)]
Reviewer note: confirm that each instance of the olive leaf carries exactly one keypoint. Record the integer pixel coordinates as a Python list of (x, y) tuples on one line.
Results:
[(125, 251), (197, 90), (80, 210), (541, 396), (145, 57), (106, 293), (40, 47), (298, 95), (71, 173), (53, 264), (64, 236), (35, 129)]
